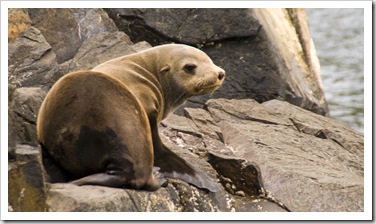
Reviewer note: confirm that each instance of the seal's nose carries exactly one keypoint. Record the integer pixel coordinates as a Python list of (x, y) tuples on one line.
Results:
[(221, 75)]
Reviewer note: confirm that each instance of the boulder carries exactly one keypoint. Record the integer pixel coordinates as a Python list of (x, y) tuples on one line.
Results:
[(73, 26), (93, 21), (26, 184), (177, 24), (267, 53), (22, 116), (31, 60)]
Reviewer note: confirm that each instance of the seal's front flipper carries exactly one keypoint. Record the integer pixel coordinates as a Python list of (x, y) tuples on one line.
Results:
[(171, 165), (163, 182), (102, 179)]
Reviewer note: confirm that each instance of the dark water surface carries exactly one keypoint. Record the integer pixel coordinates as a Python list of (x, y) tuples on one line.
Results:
[(338, 35)]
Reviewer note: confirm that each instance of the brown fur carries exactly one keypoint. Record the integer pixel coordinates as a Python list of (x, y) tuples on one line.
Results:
[(101, 125)]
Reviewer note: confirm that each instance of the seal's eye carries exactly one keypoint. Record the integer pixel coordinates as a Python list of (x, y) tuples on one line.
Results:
[(190, 68)]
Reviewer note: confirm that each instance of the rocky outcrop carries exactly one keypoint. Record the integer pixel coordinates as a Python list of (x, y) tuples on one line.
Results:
[(265, 157), (265, 154), (267, 53)]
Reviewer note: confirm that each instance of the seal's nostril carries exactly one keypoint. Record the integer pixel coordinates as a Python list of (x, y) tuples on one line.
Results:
[(221, 75)]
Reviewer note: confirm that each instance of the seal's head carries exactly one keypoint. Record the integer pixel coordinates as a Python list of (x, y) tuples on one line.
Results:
[(191, 71)]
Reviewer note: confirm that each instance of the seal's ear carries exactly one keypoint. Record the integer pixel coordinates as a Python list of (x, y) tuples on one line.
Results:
[(165, 69)]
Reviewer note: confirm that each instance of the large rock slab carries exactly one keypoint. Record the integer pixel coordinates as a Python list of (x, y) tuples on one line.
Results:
[(308, 162), (176, 24)]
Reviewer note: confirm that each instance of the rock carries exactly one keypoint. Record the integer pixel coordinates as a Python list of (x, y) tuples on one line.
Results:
[(303, 169), (31, 61), (261, 62), (176, 24), (23, 112), (72, 198), (296, 56), (176, 197), (73, 26), (26, 184), (18, 21), (103, 47), (238, 175), (59, 27), (93, 21)]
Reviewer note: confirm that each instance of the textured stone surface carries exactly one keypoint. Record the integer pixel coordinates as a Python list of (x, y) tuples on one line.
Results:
[(73, 26), (23, 111), (306, 170), (18, 21), (26, 184), (100, 48), (31, 61), (177, 24)]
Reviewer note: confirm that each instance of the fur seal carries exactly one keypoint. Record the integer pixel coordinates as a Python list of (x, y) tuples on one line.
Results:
[(101, 126)]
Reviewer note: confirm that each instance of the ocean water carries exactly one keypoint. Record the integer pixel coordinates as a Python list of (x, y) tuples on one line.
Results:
[(338, 35)]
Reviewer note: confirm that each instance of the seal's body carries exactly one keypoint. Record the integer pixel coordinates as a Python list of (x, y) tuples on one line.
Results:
[(101, 125)]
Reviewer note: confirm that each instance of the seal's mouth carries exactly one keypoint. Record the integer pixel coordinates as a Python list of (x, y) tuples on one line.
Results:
[(207, 89)]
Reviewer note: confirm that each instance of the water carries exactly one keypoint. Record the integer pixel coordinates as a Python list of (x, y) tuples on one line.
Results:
[(338, 35)]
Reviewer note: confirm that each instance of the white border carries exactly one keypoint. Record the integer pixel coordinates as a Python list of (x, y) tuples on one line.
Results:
[(367, 5)]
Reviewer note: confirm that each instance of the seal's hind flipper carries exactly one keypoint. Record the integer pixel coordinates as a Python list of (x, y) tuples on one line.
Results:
[(102, 179)]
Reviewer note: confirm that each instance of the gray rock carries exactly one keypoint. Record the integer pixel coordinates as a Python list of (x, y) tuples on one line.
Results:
[(71, 198), (306, 170), (176, 24), (23, 112), (26, 184), (59, 27), (31, 60), (66, 29), (93, 21), (100, 48)]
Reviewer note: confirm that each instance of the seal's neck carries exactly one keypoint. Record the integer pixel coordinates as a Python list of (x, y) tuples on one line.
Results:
[(173, 96)]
